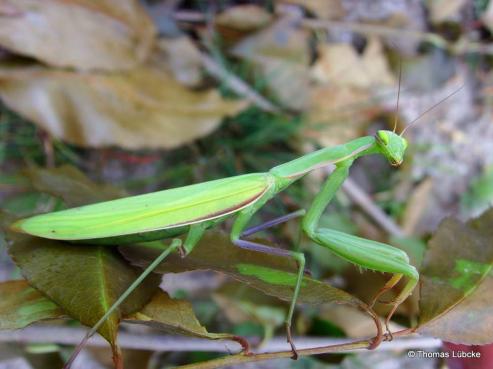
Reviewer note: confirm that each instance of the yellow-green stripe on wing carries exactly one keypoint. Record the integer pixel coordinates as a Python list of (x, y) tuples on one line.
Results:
[(149, 212)]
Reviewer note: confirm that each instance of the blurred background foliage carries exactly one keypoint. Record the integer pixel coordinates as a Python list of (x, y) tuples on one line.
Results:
[(158, 94)]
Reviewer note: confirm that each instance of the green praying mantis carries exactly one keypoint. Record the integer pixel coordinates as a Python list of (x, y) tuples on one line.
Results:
[(193, 209)]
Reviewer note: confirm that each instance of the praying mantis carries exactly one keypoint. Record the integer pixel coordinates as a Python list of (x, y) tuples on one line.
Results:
[(193, 209)]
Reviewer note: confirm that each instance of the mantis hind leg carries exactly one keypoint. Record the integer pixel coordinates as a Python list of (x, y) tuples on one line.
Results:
[(175, 245), (376, 256), (401, 297), (273, 222), (300, 260)]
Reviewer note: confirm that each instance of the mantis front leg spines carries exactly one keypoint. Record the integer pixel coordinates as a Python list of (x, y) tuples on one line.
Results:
[(193, 209)]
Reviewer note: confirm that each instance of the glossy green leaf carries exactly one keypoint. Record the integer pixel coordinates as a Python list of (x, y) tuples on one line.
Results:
[(456, 302), (273, 275), (21, 305), (84, 280), (479, 196)]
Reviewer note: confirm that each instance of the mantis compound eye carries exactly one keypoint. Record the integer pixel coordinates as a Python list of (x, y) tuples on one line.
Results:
[(383, 136), (404, 143)]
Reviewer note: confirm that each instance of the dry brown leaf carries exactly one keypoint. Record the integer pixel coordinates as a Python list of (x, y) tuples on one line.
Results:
[(442, 10), (341, 65), (457, 284), (173, 316), (81, 34), (143, 108), (337, 114), (352, 321), (244, 17), (281, 55), (419, 200), (341, 99), (325, 9), (487, 16), (182, 58)]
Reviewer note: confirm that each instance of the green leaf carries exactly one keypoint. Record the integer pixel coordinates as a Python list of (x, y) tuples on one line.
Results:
[(241, 304), (174, 316), (21, 305), (479, 196), (71, 185), (273, 275), (456, 302), (84, 280)]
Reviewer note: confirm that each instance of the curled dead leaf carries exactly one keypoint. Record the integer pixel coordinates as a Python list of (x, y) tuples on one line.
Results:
[(342, 99), (80, 34), (244, 17), (280, 55), (325, 9), (142, 108), (337, 114), (173, 316), (182, 59), (341, 65)]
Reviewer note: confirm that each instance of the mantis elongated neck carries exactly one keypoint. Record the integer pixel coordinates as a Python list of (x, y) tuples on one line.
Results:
[(350, 151)]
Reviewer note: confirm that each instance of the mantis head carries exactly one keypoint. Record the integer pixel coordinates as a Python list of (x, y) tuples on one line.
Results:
[(392, 146)]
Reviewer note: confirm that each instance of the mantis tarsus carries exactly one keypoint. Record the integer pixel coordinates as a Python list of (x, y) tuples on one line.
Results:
[(191, 210)]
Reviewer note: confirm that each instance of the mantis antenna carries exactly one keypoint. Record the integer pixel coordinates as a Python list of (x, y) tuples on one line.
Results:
[(398, 96), (430, 109)]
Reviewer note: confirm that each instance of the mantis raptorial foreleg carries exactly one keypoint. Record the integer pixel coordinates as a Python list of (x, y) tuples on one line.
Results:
[(362, 252)]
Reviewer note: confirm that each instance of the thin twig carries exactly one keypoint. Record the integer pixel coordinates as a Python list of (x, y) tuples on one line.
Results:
[(158, 342), (361, 198), (334, 348), (49, 152), (379, 30), (236, 84), (458, 48)]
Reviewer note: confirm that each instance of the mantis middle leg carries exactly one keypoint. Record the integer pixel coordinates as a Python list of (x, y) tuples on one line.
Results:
[(238, 231), (362, 252)]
